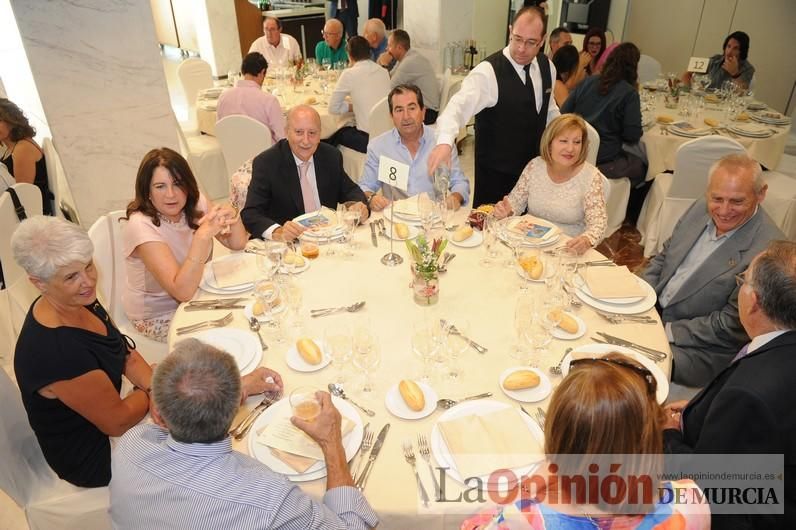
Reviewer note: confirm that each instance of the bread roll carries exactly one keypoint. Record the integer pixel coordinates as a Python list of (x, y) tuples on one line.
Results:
[(401, 230), (258, 308), (532, 266), (312, 100), (521, 380), (291, 258), (309, 351), (486, 208), (565, 322), (663, 118), (464, 232), (711, 122), (412, 395)]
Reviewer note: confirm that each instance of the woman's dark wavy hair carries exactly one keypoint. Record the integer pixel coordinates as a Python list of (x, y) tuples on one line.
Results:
[(18, 124), (566, 61), (621, 65), (183, 177), (743, 43)]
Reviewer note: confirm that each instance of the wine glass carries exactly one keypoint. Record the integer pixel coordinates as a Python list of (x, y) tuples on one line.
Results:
[(523, 310), (293, 294), (426, 342), (265, 264), (426, 210), (490, 239), (366, 356), (441, 181), (351, 218), (339, 342), (524, 259), (276, 250), (569, 262), (456, 344)]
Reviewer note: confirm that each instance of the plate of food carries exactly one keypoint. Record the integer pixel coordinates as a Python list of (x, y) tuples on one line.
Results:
[(525, 384), (308, 355), (411, 400), (466, 237)]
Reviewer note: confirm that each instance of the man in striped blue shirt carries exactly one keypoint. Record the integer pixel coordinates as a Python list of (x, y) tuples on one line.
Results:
[(183, 473)]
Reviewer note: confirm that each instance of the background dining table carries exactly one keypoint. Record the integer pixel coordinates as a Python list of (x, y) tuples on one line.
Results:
[(485, 296), (661, 145)]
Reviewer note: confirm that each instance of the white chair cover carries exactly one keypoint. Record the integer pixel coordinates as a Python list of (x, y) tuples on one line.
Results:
[(241, 138), (19, 293), (617, 191), (353, 162), (648, 69), (25, 476), (672, 194), (195, 75), (204, 155), (106, 234), (380, 120), (59, 184), (780, 201)]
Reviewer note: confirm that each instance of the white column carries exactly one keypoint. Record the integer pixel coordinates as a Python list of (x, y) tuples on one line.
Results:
[(217, 35), (99, 75)]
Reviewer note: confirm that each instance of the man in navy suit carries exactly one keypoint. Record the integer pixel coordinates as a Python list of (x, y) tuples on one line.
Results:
[(297, 175), (748, 406)]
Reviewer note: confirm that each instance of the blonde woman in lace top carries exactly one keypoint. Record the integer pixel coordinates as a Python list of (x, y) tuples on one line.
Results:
[(561, 187)]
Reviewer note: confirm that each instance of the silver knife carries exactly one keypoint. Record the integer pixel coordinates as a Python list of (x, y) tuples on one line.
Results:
[(243, 427), (373, 238), (624, 342), (212, 307), (363, 478), (215, 301)]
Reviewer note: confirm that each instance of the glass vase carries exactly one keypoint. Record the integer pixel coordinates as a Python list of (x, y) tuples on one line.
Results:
[(425, 286)]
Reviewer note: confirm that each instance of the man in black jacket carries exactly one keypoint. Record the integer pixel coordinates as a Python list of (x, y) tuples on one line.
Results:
[(748, 407)]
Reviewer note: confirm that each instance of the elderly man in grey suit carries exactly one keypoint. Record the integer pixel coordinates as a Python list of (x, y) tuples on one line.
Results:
[(694, 275)]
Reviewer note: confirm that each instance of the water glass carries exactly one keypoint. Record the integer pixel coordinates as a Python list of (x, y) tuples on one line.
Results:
[(339, 343), (304, 403), (427, 341), (490, 240), (366, 356), (456, 344), (569, 262)]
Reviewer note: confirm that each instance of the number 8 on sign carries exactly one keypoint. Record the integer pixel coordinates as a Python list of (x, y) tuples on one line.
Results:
[(393, 173)]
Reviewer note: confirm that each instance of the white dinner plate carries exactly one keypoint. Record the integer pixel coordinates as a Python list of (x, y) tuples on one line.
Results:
[(563, 335), (581, 285), (398, 407), (247, 310), (296, 361), (771, 118), (209, 284), (473, 241), (281, 408), (751, 131), (242, 345), (528, 395), (589, 350), (756, 105), (690, 133), (647, 303), (405, 216), (484, 406), (326, 227), (292, 269)]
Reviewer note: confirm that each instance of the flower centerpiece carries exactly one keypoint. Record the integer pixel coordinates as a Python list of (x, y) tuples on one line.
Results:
[(425, 267), (672, 95)]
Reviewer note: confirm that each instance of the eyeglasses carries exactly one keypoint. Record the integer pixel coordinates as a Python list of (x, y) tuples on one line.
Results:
[(331, 33), (740, 279), (525, 43), (649, 379)]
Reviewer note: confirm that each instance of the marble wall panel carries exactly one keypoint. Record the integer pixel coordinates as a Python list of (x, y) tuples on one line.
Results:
[(99, 75)]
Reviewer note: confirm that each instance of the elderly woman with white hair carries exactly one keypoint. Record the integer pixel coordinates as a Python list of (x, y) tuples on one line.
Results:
[(70, 357)]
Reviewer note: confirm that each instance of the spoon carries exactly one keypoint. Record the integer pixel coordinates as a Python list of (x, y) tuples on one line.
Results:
[(448, 403), (254, 325), (338, 391)]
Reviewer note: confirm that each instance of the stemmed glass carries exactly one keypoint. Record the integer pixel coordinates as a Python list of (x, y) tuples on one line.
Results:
[(456, 344), (339, 342), (490, 239), (276, 250), (523, 312), (426, 209), (441, 181), (569, 262), (523, 255), (292, 292), (427, 340), (351, 218), (366, 355)]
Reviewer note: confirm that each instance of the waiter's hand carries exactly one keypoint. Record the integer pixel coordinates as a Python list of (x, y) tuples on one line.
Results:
[(440, 154)]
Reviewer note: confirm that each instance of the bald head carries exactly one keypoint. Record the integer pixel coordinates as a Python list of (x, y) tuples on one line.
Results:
[(374, 31), (303, 131), (735, 190)]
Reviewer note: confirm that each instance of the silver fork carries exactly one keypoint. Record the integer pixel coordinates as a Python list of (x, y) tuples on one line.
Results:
[(556, 370), (615, 318), (243, 427), (409, 455), (353, 308), (367, 443), (539, 416), (422, 446), (217, 323)]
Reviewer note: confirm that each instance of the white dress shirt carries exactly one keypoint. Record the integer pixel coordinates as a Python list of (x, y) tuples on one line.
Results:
[(480, 90), (281, 55), (366, 83)]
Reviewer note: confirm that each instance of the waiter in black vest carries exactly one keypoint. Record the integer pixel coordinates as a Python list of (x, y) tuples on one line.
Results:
[(510, 96)]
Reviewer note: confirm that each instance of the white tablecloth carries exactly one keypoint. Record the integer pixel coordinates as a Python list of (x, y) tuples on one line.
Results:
[(485, 296), (661, 148)]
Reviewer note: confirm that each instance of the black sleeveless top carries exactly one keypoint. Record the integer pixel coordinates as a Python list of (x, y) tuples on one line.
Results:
[(73, 446), (40, 180), (508, 134)]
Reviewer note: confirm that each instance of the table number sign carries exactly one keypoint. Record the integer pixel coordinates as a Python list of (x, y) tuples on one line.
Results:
[(698, 65), (393, 173)]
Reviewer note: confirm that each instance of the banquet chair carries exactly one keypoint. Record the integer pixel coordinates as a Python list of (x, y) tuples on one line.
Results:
[(27, 479), (18, 293), (241, 138), (59, 184), (649, 69), (617, 191), (195, 75), (109, 260), (204, 155), (780, 201), (672, 194), (353, 160)]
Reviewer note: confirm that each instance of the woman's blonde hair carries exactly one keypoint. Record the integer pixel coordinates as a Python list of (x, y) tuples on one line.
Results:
[(559, 126)]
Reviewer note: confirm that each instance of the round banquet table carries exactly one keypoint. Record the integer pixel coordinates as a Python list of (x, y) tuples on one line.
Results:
[(485, 296), (661, 147), (288, 97)]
